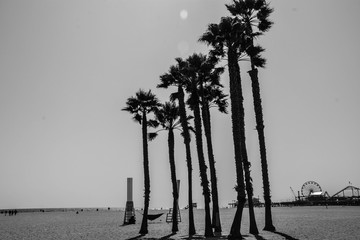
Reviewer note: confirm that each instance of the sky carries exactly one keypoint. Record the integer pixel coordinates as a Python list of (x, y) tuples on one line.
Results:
[(67, 68)]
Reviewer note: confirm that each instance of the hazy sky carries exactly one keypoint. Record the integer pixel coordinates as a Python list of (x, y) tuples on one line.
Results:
[(67, 68)]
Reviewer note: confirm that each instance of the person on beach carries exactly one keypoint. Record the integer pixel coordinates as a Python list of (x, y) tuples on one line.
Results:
[(132, 220)]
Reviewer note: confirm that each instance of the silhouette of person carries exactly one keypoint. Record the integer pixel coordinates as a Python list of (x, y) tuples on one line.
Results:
[(132, 220)]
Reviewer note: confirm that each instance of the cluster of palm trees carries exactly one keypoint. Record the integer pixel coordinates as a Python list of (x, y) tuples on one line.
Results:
[(198, 88)]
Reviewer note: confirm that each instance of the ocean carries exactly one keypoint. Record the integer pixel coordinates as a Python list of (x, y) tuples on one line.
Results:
[(317, 222)]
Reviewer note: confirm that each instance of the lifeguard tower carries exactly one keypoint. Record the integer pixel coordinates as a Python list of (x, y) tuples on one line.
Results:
[(129, 216)]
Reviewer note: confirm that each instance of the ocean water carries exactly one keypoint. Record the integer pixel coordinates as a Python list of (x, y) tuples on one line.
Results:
[(298, 222)]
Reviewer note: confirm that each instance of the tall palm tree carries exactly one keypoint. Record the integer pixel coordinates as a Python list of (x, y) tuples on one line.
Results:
[(226, 39), (255, 13), (210, 97), (174, 78), (168, 116), (140, 106), (193, 74), (209, 91)]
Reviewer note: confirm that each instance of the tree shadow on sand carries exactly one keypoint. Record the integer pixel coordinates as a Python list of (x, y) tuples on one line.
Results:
[(287, 237), (142, 235), (203, 237), (168, 236), (243, 236), (258, 237), (137, 237)]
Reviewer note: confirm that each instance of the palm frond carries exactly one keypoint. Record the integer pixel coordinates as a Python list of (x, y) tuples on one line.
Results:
[(152, 135), (174, 96), (192, 129), (189, 117), (255, 50), (259, 61), (137, 118), (265, 25), (258, 4), (152, 123), (264, 12), (237, 7), (165, 81), (209, 37)]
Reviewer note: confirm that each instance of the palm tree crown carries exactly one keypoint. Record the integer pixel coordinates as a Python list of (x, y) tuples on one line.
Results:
[(168, 117), (142, 102), (253, 14), (227, 34)]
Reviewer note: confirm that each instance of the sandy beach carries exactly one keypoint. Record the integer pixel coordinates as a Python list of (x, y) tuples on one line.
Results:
[(291, 223)]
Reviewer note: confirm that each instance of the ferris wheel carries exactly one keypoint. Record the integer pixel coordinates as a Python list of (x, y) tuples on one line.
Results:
[(310, 187)]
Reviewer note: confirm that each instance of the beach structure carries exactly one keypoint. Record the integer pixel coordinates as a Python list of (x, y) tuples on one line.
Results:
[(349, 192), (256, 203), (129, 216), (312, 194), (310, 188)]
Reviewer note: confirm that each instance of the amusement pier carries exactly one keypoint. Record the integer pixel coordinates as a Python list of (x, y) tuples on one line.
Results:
[(311, 194)]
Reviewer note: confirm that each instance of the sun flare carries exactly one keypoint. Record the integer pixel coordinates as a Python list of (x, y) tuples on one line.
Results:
[(183, 14)]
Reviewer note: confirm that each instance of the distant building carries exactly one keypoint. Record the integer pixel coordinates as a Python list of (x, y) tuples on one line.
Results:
[(256, 202)]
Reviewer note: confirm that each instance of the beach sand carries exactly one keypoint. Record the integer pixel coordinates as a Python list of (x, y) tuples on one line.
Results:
[(291, 223)]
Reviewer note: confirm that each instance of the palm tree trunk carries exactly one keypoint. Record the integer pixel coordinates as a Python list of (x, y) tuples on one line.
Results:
[(234, 76), (260, 128), (183, 119), (214, 190), (171, 145), (202, 164), (144, 223), (246, 164), (249, 189)]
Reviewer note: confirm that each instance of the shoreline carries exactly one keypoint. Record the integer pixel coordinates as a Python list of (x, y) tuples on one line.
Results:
[(316, 222)]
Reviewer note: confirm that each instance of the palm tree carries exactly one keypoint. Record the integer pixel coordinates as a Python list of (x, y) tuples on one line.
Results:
[(226, 38), (174, 78), (194, 74), (209, 91), (140, 106), (256, 13), (168, 116), (212, 96)]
